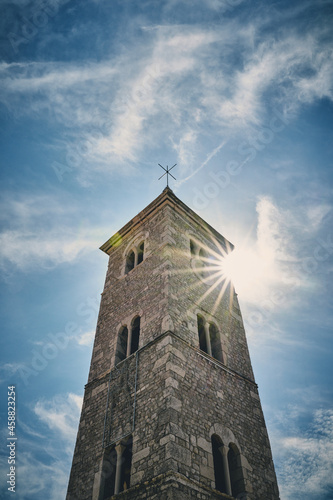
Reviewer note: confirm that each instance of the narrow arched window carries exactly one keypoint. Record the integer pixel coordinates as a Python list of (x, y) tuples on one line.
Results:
[(116, 470), (193, 248), (134, 257), (108, 475), (204, 264), (202, 334), (219, 472), (203, 257), (130, 262), (121, 352), (126, 463), (235, 471), (135, 335), (215, 342), (140, 252)]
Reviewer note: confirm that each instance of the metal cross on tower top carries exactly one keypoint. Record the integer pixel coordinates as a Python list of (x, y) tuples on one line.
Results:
[(167, 173)]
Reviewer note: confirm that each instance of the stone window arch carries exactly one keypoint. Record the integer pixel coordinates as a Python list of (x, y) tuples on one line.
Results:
[(202, 333), (125, 460), (209, 338), (134, 256), (219, 473), (141, 249), (128, 340), (108, 474), (130, 261), (194, 248), (216, 343), (235, 470), (228, 471), (116, 468), (122, 340), (135, 334), (203, 257), (203, 261)]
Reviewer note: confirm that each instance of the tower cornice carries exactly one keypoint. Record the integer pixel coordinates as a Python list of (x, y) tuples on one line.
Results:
[(166, 198)]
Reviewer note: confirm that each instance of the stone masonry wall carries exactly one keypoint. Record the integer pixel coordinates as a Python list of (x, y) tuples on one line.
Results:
[(183, 397)]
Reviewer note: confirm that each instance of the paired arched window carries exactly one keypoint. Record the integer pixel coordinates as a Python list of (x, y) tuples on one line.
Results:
[(200, 256), (228, 470), (128, 340), (134, 257), (116, 470), (203, 261), (209, 338)]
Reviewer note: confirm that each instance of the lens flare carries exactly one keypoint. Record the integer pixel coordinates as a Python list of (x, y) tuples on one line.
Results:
[(242, 267)]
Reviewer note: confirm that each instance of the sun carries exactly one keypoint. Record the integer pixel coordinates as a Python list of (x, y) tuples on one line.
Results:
[(217, 268), (243, 268)]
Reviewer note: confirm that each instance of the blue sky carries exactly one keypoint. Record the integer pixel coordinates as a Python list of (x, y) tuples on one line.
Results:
[(93, 96)]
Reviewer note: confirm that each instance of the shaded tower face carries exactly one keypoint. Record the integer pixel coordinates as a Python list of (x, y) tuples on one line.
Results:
[(171, 409)]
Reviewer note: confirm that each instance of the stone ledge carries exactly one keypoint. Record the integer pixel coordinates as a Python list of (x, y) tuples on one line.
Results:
[(198, 351), (170, 485)]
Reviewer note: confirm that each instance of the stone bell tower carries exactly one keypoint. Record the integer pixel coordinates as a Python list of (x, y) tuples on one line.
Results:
[(171, 410)]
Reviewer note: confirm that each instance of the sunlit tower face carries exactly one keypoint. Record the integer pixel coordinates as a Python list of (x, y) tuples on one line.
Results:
[(207, 263)]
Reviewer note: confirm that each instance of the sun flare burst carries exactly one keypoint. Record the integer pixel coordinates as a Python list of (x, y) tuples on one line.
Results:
[(243, 268)]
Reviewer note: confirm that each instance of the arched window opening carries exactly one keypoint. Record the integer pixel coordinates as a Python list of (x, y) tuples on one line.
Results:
[(203, 256), (215, 342), (218, 464), (203, 262), (134, 257), (235, 471), (140, 252), (116, 470), (108, 474), (202, 334), (193, 248), (130, 262), (135, 334), (125, 477), (121, 352)]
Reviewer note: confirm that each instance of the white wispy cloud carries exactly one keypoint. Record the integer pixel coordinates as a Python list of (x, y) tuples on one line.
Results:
[(44, 469), (275, 258), (45, 249), (42, 233), (316, 214), (279, 268), (260, 265), (61, 415), (172, 87), (38, 478), (305, 456), (86, 338)]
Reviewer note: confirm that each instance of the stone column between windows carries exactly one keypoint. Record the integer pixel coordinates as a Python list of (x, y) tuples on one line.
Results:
[(120, 448), (136, 257), (209, 347), (224, 452), (129, 342)]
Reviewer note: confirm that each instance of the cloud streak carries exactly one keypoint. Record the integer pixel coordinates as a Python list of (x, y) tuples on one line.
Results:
[(61, 415), (171, 88), (42, 234)]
